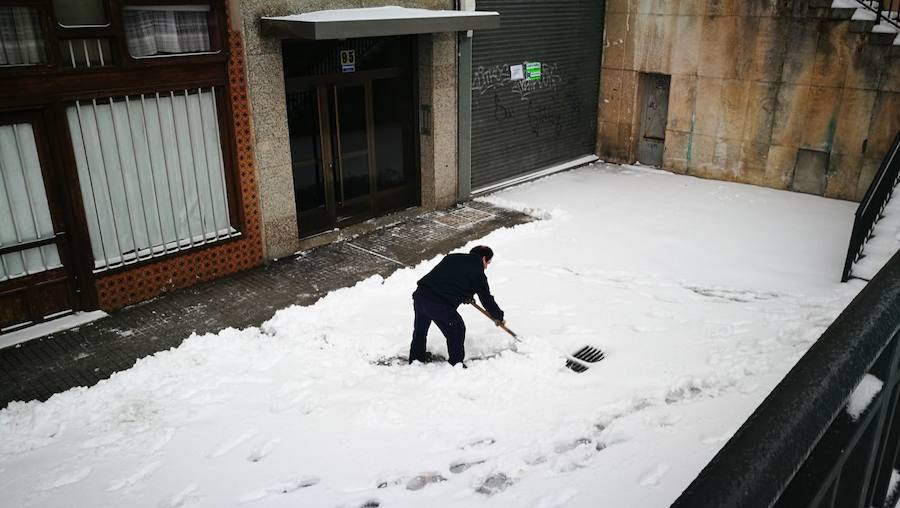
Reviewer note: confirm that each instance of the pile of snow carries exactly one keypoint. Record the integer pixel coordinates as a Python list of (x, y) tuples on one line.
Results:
[(863, 395), (703, 294)]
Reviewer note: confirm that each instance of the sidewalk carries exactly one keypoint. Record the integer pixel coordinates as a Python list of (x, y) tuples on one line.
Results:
[(85, 355)]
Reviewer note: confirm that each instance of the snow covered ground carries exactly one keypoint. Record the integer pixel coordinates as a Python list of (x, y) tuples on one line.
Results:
[(703, 294)]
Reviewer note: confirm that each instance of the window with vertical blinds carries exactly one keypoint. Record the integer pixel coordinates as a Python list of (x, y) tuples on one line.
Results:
[(152, 174), (24, 211)]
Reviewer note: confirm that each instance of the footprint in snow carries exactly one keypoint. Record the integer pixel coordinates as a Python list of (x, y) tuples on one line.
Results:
[(641, 404), (183, 498), (488, 441), (567, 447), (285, 487), (262, 451), (493, 484), (664, 420), (390, 483), (535, 459), (652, 476), (233, 443), (421, 481), (606, 421), (459, 467), (680, 394), (68, 479), (134, 478), (611, 440)]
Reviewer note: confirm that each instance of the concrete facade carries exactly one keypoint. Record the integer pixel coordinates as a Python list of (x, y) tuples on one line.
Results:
[(265, 82), (752, 84)]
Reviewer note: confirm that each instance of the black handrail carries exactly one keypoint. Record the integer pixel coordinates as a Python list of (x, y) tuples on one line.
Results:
[(885, 10), (872, 204), (800, 448)]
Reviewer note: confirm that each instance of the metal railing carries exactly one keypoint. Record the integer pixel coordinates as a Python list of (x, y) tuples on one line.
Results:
[(885, 11), (86, 53), (801, 447), (872, 205)]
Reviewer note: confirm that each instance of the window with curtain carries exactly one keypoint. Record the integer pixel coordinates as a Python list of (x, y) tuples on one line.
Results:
[(151, 173), (21, 37), (161, 30)]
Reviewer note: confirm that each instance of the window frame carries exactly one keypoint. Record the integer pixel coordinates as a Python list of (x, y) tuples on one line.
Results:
[(217, 39), (231, 170), (50, 42), (106, 9), (122, 61)]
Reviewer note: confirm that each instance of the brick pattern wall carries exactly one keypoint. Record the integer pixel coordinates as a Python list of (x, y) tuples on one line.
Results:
[(150, 280)]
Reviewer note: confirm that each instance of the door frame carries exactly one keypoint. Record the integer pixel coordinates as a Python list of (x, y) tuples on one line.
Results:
[(647, 83), (325, 87), (68, 238)]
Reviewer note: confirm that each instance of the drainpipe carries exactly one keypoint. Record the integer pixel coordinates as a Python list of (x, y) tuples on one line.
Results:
[(464, 106)]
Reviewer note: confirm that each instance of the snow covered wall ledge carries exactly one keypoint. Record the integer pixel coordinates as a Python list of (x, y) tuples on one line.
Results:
[(703, 294)]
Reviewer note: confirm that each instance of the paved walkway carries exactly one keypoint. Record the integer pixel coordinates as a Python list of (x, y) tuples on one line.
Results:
[(85, 355)]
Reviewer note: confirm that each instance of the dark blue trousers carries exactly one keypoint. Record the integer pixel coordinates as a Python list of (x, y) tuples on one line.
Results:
[(428, 308)]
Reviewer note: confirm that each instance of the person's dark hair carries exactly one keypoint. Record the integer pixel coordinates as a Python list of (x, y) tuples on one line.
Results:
[(482, 251)]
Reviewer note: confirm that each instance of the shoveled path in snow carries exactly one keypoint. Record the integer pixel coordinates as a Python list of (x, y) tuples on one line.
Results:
[(87, 354)]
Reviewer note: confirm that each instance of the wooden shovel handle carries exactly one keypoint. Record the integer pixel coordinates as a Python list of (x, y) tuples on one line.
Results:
[(496, 322)]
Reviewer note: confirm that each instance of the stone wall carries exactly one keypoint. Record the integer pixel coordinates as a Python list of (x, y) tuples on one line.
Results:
[(265, 78), (752, 84)]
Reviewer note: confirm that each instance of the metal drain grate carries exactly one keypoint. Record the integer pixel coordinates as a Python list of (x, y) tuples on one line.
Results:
[(462, 217), (577, 367), (590, 354), (579, 362)]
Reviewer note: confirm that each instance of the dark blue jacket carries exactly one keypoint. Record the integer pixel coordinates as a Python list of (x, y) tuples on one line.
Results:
[(456, 279)]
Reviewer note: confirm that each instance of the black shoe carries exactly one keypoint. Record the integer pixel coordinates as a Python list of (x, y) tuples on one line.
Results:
[(423, 358)]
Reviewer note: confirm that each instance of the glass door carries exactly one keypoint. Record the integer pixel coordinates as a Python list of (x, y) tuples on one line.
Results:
[(353, 132), (307, 113), (35, 282), (396, 173), (351, 152)]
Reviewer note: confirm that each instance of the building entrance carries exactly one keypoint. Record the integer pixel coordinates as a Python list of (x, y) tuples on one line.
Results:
[(350, 108)]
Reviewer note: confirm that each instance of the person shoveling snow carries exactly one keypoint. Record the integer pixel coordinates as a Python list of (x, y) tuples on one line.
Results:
[(454, 281)]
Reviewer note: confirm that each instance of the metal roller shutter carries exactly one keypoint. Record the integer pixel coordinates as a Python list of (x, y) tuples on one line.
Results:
[(523, 126)]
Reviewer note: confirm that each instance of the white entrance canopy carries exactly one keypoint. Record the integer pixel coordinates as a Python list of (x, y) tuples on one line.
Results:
[(375, 22)]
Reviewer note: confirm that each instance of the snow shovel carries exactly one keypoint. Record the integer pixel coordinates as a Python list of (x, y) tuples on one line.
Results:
[(579, 362), (496, 322)]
